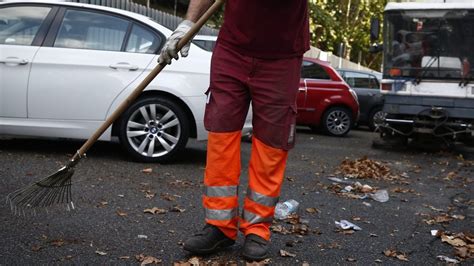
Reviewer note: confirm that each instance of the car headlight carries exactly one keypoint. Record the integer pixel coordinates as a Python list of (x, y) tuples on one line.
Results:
[(354, 94)]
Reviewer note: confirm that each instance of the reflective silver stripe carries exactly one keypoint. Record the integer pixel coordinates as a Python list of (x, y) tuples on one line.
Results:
[(221, 215), (262, 199), (253, 218), (221, 191)]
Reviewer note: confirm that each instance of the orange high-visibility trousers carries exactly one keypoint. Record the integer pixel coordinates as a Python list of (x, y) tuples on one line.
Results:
[(220, 200)]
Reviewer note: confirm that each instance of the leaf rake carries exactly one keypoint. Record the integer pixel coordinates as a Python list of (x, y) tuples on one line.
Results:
[(55, 189)]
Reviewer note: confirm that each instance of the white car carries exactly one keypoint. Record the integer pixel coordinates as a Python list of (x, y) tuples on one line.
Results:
[(65, 67)]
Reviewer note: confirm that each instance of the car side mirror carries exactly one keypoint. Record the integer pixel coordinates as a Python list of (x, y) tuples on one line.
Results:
[(374, 29)]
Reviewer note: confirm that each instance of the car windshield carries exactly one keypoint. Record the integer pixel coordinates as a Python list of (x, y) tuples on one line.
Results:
[(435, 44)]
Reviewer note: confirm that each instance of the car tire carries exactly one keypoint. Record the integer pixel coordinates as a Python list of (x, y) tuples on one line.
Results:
[(337, 121), (154, 129), (375, 117)]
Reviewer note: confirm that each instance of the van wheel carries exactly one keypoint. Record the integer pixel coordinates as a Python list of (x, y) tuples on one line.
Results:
[(154, 129), (337, 121), (376, 118)]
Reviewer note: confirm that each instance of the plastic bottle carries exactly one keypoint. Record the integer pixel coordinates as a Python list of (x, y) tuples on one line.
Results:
[(284, 209)]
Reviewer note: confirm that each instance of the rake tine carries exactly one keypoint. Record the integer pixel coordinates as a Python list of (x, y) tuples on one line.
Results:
[(61, 196), (47, 198)]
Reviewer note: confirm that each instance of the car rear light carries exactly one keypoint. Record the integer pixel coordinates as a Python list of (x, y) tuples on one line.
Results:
[(386, 86)]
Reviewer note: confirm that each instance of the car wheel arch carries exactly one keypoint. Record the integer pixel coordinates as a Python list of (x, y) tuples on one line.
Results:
[(163, 94), (340, 105)]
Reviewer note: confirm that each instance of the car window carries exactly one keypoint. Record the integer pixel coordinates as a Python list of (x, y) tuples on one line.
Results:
[(207, 45), (374, 83), (360, 80), (20, 24), (310, 70), (90, 30), (142, 40)]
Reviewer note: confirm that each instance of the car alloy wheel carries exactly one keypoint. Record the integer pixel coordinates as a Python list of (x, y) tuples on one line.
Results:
[(337, 121), (154, 130)]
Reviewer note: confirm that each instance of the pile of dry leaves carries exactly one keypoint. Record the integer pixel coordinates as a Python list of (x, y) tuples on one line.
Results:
[(365, 168)]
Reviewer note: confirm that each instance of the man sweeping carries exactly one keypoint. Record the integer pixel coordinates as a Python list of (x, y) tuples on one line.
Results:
[(257, 59)]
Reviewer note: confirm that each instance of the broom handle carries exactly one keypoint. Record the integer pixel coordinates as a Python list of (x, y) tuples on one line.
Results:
[(138, 90)]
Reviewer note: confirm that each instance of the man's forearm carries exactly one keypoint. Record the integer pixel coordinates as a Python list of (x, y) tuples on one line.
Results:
[(197, 8)]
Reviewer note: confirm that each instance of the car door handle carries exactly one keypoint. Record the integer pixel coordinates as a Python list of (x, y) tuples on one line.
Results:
[(371, 94), (302, 89), (14, 61), (124, 65)]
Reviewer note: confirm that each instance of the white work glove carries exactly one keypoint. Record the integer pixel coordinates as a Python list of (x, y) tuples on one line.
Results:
[(169, 51)]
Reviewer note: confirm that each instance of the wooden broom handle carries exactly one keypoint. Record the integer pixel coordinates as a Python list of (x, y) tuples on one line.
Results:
[(149, 78)]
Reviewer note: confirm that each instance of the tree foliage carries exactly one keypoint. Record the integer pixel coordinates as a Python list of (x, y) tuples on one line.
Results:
[(333, 22)]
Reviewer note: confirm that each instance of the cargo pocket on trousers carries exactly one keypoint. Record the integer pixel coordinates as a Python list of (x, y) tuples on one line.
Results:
[(290, 134)]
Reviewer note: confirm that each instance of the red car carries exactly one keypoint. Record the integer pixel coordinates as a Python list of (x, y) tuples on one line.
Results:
[(325, 100)]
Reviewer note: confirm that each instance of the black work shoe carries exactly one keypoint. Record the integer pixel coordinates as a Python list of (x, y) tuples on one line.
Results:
[(255, 248), (209, 240)]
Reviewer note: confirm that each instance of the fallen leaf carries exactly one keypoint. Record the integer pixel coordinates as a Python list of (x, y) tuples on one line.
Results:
[(291, 179), (351, 259), (177, 209), (57, 242), (366, 189), (462, 252), (390, 253), (121, 213), (101, 253), (443, 219), (402, 257), (194, 261), (168, 197), (256, 263), (451, 176), (145, 260), (347, 232), (150, 260), (457, 242), (155, 210), (36, 248), (279, 229), (312, 210), (149, 194), (147, 170), (458, 217), (285, 253)]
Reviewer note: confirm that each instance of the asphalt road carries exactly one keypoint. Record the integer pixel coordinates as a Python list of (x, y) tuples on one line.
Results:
[(110, 192)]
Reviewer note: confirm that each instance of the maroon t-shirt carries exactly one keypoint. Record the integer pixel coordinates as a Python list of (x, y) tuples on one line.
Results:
[(269, 29)]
